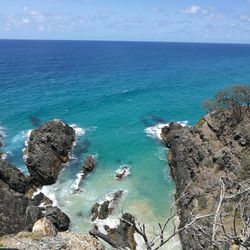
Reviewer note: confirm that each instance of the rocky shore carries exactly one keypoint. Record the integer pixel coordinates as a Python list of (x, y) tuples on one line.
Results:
[(210, 164), (32, 220)]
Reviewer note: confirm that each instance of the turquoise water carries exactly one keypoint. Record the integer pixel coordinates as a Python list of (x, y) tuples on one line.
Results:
[(113, 91)]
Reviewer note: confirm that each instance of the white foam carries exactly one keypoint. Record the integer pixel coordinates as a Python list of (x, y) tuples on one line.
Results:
[(155, 131), (78, 130), (26, 136), (111, 221), (3, 156), (47, 191), (78, 180)]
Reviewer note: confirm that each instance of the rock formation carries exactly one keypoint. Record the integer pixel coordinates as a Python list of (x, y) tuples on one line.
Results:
[(121, 236), (209, 164), (48, 148), (88, 167), (103, 209)]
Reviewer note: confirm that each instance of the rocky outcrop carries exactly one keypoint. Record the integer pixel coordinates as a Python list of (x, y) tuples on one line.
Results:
[(18, 212), (89, 164), (203, 160), (48, 148), (88, 167)]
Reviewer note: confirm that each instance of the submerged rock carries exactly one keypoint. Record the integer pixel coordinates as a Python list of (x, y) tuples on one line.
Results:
[(48, 148), (36, 122), (122, 172)]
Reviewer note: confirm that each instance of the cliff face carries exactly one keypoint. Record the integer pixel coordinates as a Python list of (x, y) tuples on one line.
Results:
[(210, 164)]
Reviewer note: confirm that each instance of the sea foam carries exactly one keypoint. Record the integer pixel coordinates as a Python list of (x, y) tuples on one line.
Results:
[(155, 131), (78, 130)]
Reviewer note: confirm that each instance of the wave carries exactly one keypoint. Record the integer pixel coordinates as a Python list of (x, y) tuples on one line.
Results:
[(155, 131), (78, 130), (47, 191)]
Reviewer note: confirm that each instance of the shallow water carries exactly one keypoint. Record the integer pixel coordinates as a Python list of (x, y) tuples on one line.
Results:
[(117, 94)]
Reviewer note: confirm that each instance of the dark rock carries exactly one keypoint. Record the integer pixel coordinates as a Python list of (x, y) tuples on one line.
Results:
[(48, 148), (32, 214), (60, 220), (17, 214), (13, 177), (41, 198), (89, 164), (106, 208), (88, 167), (123, 234)]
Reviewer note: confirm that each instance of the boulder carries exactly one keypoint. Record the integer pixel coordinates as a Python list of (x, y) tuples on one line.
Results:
[(48, 148), (60, 220), (44, 227)]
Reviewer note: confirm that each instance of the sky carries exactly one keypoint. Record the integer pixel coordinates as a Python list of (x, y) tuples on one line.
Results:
[(219, 21)]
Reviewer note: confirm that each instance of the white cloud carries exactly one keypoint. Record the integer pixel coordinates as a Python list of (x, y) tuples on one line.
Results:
[(245, 18), (194, 9), (210, 12)]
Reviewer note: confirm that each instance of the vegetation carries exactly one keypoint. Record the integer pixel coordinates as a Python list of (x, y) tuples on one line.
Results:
[(232, 98)]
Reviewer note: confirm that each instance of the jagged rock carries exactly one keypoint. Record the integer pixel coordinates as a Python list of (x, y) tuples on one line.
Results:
[(123, 234), (13, 177), (48, 148), (103, 209), (41, 199), (44, 227), (198, 157), (58, 218), (89, 164)]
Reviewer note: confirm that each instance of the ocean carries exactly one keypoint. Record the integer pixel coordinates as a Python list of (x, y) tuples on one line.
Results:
[(117, 95)]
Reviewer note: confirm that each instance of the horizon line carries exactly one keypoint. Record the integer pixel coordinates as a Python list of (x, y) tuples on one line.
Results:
[(135, 41)]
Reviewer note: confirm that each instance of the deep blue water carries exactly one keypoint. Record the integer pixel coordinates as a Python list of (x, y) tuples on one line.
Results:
[(113, 90)]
